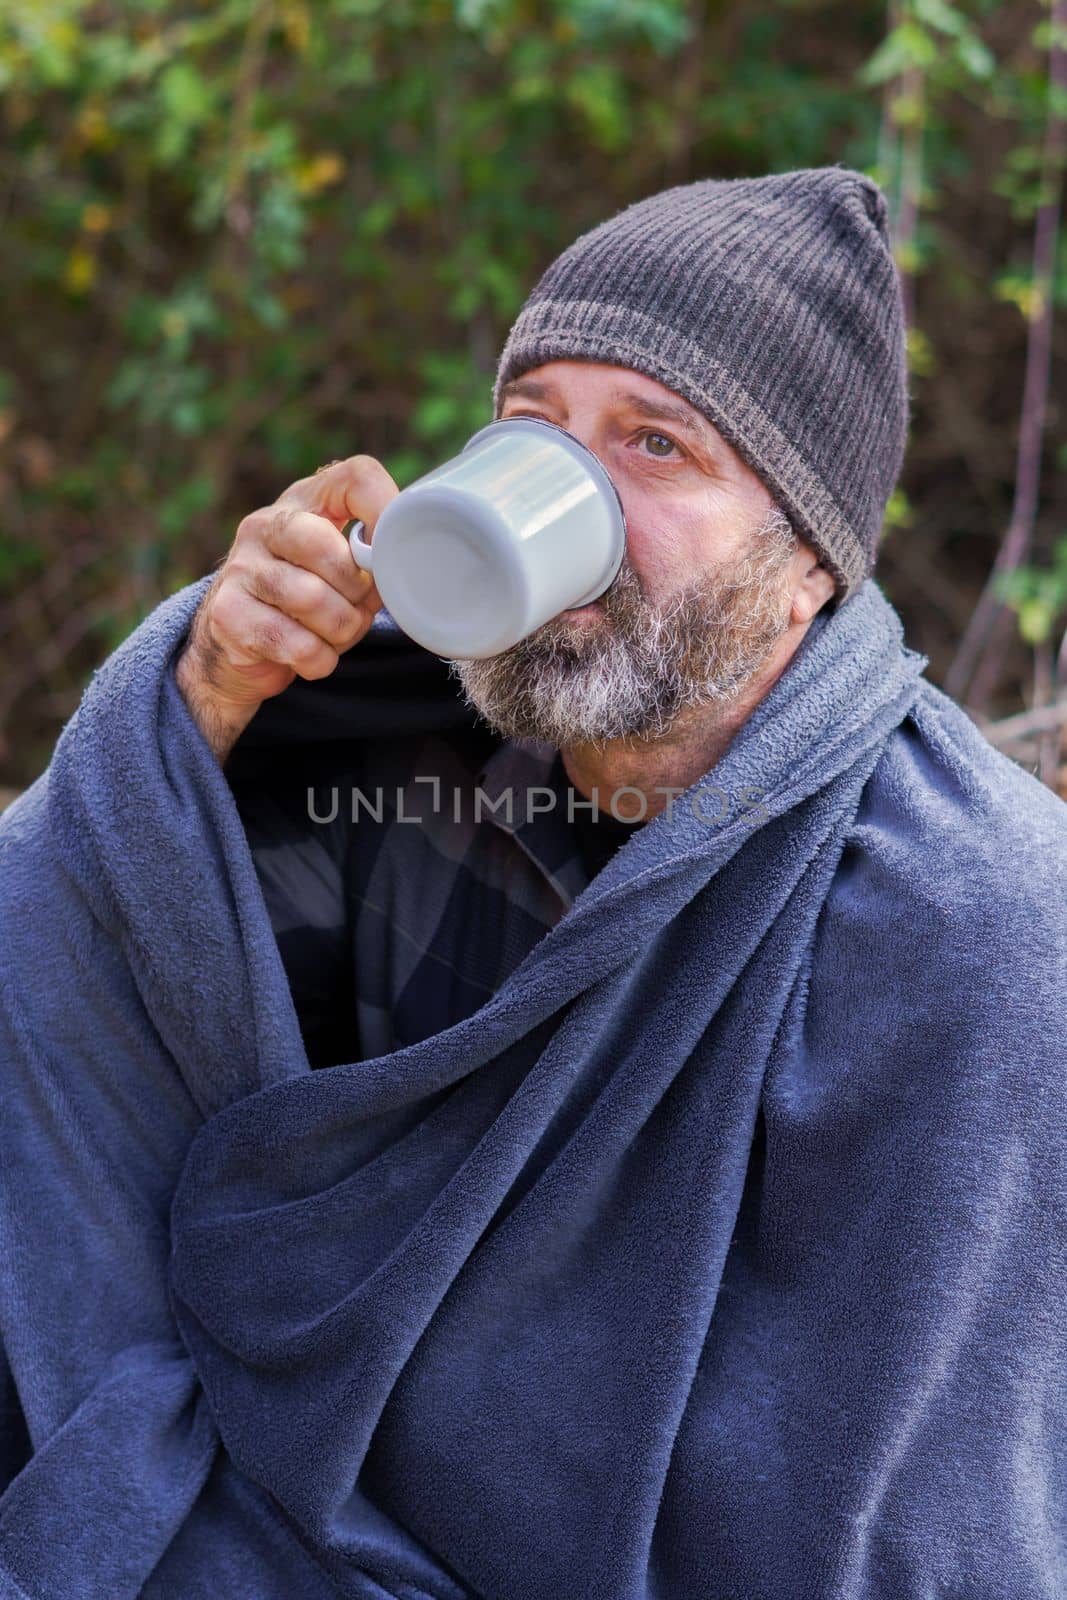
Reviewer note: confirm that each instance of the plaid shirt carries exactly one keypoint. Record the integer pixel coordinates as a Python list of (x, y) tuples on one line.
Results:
[(397, 913)]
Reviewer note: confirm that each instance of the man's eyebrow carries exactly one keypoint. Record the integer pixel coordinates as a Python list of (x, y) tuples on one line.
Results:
[(652, 410), (667, 411), (527, 389)]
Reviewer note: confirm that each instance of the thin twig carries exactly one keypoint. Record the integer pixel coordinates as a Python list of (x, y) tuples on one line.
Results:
[(888, 134), (1048, 743), (911, 165), (1010, 730), (978, 658)]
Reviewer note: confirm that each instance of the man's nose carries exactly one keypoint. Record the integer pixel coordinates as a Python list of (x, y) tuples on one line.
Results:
[(591, 431), (595, 435), (587, 431)]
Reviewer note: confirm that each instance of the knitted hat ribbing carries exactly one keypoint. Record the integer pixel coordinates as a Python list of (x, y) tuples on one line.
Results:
[(773, 305)]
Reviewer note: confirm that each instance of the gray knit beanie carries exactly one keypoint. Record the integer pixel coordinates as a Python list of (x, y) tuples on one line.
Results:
[(773, 305)]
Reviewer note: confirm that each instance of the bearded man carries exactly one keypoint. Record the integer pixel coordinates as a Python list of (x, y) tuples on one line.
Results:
[(586, 1122)]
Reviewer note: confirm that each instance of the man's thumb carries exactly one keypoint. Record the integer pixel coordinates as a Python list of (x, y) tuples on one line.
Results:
[(359, 486)]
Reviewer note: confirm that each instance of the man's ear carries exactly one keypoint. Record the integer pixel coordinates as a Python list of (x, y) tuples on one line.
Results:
[(814, 588)]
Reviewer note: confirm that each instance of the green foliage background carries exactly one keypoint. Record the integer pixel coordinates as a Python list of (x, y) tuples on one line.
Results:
[(245, 237)]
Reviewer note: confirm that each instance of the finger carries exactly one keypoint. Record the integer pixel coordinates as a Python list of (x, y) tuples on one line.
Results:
[(356, 487), (309, 600), (268, 634), (307, 540)]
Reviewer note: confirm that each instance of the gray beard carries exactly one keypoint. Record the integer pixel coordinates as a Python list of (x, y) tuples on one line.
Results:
[(637, 666)]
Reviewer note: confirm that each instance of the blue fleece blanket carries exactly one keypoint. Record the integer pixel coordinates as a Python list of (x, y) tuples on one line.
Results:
[(719, 1256)]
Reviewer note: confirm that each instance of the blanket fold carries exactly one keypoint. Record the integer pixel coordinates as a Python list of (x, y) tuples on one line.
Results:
[(719, 1254)]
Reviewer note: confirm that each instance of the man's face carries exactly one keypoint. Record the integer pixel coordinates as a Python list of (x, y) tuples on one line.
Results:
[(703, 594)]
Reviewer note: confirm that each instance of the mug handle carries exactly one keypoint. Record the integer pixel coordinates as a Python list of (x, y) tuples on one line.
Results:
[(362, 553)]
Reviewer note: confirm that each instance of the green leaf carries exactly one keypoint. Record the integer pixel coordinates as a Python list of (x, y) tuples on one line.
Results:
[(187, 97), (1035, 620), (478, 13), (940, 15), (376, 218), (598, 92), (907, 45), (664, 24), (973, 54), (434, 415), (267, 309), (899, 511)]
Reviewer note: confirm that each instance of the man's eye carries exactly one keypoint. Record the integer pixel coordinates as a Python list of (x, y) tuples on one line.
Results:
[(657, 441), (660, 439)]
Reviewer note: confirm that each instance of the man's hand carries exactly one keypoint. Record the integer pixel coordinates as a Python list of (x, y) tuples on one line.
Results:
[(287, 601)]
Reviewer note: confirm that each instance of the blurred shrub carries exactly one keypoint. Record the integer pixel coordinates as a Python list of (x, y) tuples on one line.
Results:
[(246, 237)]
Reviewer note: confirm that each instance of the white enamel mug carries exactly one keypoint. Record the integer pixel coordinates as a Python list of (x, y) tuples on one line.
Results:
[(524, 523)]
